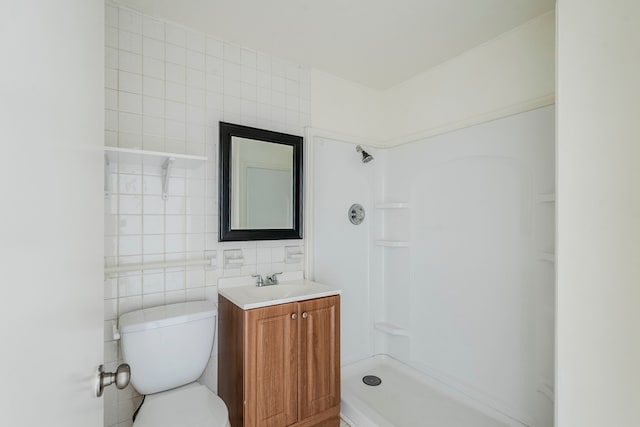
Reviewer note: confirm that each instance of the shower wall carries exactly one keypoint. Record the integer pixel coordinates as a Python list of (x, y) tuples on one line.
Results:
[(456, 255), (343, 252), (474, 289)]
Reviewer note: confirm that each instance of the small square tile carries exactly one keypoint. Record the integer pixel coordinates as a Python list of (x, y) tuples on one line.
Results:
[(153, 126), (153, 224), (129, 41), (110, 57), (130, 82), (130, 21), (214, 47), (129, 245), (153, 28), (232, 53), (130, 102), (111, 15), (153, 244), (153, 87), (153, 67), (111, 37), (111, 78), (248, 58), (128, 122), (175, 35), (153, 106), (153, 48), (175, 92), (196, 41), (176, 54), (128, 61), (196, 60), (175, 73)]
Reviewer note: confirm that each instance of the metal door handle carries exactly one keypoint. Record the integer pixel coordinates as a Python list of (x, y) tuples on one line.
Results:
[(305, 315), (294, 316), (120, 377)]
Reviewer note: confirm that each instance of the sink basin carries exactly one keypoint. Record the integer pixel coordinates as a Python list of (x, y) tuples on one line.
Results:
[(249, 297)]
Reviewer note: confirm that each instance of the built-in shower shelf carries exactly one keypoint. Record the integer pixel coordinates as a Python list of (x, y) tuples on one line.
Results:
[(548, 256), (393, 243), (547, 198), (391, 329), (392, 205)]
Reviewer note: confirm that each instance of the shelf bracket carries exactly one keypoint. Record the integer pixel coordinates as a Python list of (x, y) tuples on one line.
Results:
[(107, 176), (166, 174)]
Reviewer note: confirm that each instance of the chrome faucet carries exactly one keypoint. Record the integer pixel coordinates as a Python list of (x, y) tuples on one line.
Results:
[(272, 279)]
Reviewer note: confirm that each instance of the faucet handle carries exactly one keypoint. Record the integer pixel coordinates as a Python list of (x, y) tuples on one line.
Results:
[(259, 281), (272, 279)]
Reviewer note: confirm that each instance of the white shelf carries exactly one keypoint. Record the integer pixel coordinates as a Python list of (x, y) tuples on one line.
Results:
[(392, 205), (166, 161), (152, 158), (547, 198), (548, 256), (393, 243), (391, 329)]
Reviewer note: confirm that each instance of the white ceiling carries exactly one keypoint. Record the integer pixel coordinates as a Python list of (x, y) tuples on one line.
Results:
[(378, 43)]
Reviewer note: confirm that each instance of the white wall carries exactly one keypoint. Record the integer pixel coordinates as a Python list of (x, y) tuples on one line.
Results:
[(166, 89), (346, 108), (343, 252), (598, 214), (51, 110), (510, 74)]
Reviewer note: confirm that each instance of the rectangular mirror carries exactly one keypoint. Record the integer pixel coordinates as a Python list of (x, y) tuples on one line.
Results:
[(260, 184)]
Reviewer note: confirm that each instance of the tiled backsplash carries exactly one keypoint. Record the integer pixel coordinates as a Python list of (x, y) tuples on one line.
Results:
[(166, 89)]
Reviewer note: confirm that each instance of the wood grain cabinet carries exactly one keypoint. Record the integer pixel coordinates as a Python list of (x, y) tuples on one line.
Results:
[(279, 366)]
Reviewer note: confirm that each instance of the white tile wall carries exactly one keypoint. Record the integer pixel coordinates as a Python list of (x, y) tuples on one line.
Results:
[(166, 89)]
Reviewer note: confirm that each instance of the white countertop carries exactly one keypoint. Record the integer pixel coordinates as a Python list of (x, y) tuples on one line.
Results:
[(248, 297)]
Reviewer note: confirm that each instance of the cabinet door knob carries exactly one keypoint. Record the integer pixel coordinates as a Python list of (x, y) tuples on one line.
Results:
[(305, 315), (294, 316)]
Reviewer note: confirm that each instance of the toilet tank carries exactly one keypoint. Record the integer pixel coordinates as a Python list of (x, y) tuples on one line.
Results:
[(167, 346)]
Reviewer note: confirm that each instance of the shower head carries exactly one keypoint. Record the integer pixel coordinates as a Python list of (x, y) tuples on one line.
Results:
[(366, 157)]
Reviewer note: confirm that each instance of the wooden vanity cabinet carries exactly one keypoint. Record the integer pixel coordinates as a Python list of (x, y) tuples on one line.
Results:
[(279, 366)]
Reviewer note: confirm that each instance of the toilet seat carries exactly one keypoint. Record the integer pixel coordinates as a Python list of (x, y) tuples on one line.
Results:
[(193, 405)]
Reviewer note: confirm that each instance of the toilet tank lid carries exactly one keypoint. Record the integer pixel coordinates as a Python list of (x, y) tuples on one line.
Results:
[(166, 315)]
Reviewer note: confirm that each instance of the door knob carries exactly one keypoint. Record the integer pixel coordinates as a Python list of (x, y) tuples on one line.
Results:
[(294, 316), (120, 377), (305, 315)]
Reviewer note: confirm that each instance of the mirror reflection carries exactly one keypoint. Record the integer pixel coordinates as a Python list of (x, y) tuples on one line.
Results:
[(261, 185)]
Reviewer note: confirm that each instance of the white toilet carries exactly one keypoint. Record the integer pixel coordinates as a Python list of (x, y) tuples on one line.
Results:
[(168, 348)]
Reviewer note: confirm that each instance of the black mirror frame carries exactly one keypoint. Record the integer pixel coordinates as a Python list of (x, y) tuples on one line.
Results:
[(225, 233)]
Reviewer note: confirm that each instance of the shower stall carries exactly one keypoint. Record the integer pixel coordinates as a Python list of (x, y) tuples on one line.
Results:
[(448, 283)]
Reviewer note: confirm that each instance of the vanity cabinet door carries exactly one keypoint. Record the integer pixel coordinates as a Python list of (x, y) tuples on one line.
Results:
[(319, 356), (270, 374)]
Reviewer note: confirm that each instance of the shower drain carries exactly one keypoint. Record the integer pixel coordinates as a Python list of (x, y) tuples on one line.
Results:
[(371, 380)]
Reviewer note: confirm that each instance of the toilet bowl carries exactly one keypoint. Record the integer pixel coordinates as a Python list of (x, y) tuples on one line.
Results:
[(193, 405), (168, 348)]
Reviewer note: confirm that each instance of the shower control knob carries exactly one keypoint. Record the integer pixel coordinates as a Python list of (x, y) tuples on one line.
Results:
[(305, 315), (120, 378), (294, 316)]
